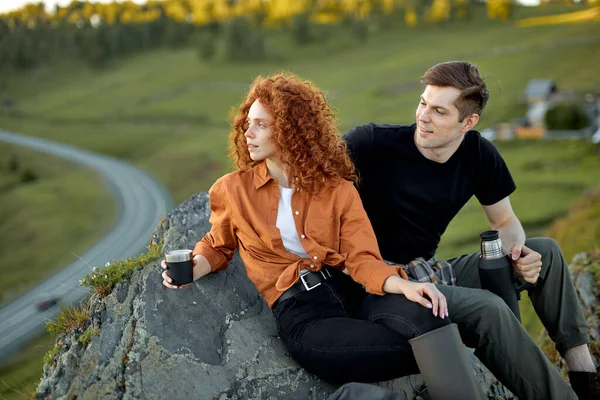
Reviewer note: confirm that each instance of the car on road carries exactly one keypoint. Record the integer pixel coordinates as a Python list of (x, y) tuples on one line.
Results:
[(47, 304)]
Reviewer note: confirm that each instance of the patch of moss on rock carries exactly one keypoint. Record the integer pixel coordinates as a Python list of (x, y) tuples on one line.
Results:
[(50, 356), (86, 336), (102, 281)]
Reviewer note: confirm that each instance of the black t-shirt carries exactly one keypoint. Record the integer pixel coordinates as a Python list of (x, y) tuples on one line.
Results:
[(410, 199)]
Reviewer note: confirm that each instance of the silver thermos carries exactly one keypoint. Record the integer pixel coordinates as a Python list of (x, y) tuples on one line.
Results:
[(496, 271)]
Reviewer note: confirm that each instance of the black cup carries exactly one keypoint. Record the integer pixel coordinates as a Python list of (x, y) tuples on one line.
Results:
[(180, 266)]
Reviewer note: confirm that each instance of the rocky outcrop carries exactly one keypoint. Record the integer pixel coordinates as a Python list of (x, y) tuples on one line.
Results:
[(213, 340)]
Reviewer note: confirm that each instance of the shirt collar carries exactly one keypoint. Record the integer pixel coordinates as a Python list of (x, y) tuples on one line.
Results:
[(261, 175)]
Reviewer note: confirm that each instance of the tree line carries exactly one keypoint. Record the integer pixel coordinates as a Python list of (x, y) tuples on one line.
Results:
[(98, 33)]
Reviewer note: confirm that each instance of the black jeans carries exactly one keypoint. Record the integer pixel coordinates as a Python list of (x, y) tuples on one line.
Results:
[(343, 334)]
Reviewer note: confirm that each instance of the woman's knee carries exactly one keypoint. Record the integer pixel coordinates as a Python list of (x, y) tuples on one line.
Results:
[(431, 322), (363, 363)]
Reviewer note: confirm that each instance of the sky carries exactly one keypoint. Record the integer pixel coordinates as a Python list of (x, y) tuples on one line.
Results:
[(9, 5)]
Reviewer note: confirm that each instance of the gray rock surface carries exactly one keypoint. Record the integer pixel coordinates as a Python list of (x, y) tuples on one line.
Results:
[(588, 288), (213, 340)]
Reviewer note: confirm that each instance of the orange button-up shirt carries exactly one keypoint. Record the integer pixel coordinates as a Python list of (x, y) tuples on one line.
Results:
[(332, 225)]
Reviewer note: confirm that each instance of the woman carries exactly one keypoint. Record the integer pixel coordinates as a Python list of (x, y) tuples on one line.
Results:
[(298, 222)]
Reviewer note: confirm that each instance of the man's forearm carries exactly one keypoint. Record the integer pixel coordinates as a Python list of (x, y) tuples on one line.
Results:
[(511, 233)]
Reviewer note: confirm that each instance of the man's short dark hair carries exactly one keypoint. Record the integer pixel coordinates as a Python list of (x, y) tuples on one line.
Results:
[(465, 77)]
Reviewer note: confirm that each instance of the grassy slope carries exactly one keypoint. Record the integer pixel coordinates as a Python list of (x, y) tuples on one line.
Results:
[(19, 378), (167, 112), (580, 230), (45, 223)]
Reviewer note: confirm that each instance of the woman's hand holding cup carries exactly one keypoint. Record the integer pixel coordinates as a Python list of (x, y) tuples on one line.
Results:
[(182, 269)]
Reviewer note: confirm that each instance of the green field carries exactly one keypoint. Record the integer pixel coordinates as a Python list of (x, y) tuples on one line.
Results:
[(51, 211), (20, 377), (167, 112)]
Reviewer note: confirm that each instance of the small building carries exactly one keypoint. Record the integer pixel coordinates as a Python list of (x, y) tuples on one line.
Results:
[(522, 129), (539, 90), (505, 131), (529, 132), (536, 113)]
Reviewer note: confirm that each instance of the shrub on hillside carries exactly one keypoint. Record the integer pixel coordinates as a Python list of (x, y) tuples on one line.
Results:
[(13, 164), (244, 42), (360, 30), (302, 28), (206, 39), (206, 46), (28, 176), (566, 116)]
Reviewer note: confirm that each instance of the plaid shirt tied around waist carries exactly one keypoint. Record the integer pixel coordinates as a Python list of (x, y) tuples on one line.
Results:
[(421, 270)]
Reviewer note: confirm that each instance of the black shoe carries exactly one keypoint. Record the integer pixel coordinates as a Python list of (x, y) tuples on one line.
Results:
[(586, 384)]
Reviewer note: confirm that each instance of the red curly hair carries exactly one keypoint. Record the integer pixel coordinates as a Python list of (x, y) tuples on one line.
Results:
[(303, 130)]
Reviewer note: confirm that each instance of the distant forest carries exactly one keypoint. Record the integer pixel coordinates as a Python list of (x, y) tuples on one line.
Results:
[(98, 33)]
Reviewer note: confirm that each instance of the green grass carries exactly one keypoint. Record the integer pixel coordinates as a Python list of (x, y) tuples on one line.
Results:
[(102, 281), (70, 319), (580, 229), (48, 222), (20, 376)]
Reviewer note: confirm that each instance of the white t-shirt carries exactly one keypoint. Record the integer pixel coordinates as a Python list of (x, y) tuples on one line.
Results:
[(286, 224)]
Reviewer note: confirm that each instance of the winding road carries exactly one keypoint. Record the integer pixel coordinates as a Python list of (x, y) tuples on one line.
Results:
[(141, 203)]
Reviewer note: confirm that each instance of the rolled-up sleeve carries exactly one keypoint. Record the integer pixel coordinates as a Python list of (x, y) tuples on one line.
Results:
[(358, 241), (218, 245)]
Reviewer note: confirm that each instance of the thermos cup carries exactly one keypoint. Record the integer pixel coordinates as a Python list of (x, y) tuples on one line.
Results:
[(180, 266), (496, 271)]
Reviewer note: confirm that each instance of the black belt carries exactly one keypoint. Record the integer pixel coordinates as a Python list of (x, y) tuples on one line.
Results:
[(307, 282)]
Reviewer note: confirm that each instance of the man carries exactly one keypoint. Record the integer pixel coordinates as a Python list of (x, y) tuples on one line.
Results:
[(414, 180)]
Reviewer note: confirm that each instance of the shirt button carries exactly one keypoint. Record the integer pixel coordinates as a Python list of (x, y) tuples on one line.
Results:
[(315, 257), (297, 213), (303, 236), (296, 178), (297, 189), (312, 265)]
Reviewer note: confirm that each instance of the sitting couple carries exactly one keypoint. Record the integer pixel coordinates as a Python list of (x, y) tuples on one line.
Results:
[(300, 214)]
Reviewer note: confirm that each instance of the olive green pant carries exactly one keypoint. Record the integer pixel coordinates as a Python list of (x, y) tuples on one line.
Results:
[(487, 324)]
